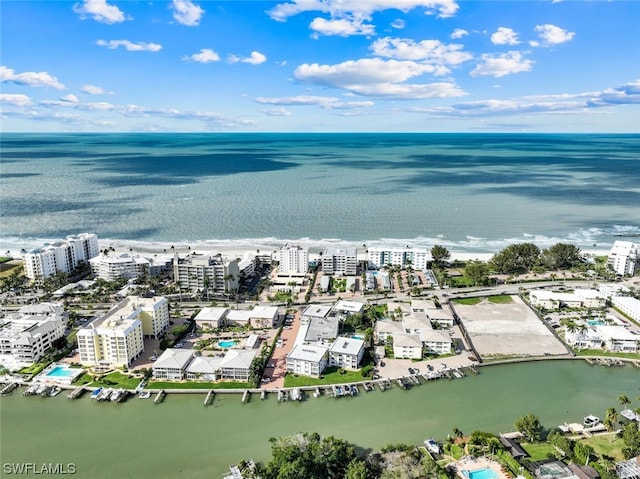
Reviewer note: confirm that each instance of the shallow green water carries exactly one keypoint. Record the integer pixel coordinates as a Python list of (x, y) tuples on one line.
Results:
[(181, 437)]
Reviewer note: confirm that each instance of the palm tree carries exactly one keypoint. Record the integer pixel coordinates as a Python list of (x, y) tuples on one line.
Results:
[(623, 400), (610, 420)]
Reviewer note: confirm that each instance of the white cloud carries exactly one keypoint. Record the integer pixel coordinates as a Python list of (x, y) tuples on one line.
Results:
[(504, 36), (187, 13), (553, 35), (398, 24), (378, 78), (342, 27), (71, 98), (256, 58), (431, 51), (501, 65), (100, 11), (310, 100), (206, 55), (276, 111), (29, 78), (349, 17), (130, 46), (15, 99), (95, 90), (458, 33)]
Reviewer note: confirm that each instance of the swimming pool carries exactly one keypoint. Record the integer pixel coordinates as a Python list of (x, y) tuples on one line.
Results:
[(595, 322), (357, 336), (229, 343), (61, 373), (484, 473)]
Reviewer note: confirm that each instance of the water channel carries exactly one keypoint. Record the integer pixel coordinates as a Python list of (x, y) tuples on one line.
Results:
[(181, 437)]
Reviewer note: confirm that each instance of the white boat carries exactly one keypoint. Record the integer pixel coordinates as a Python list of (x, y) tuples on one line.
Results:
[(590, 421), (144, 395), (432, 446), (55, 390)]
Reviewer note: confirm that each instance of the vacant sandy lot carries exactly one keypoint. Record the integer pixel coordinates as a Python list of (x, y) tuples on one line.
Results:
[(510, 329)]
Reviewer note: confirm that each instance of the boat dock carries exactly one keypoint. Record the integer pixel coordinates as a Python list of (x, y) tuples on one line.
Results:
[(8, 388), (209, 399), (263, 394), (283, 395), (159, 397), (246, 395), (76, 393)]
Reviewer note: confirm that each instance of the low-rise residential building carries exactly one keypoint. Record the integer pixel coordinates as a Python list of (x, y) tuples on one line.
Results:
[(236, 364), (203, 368), (628, 305), (385, 328), (617, 338), (609, 290), (435, 342), (551, 300), (590, 298), (345, 308), (292, 282), (587, 338), (62, 256), (417, 258), (172, 364), (307, 360), (319, 331), (211, 318), (259, 317), (26, 336), (346, 353), (340, 261), (629, 469), (314, 311), (407, 346), (624, 257)]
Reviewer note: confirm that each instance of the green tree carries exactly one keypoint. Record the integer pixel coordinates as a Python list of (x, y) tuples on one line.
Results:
[(610, 421), (530, 426), (583, 452), (516, 258), (623, 400), (561, 256), (477, 272), (357, 469), (631, 440), (440, 255)]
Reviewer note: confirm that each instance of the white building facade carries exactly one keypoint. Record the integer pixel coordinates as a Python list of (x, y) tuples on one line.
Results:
[(346, 353), (61, 256), (111, 266), (340, 261), (198, 273), (293, 259), (417, 258), (307, 360), (624, 258)]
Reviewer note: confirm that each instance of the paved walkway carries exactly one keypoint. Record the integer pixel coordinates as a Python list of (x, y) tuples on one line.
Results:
[(279, 357)]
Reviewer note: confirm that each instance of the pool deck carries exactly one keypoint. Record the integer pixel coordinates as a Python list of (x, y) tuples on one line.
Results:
[(468, 464)]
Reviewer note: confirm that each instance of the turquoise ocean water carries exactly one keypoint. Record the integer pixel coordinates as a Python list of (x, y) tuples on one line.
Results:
[(470, 192)]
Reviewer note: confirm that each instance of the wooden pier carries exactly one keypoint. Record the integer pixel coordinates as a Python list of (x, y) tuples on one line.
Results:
[(76, 393), (8, 388), (209, 399), (159, 397)]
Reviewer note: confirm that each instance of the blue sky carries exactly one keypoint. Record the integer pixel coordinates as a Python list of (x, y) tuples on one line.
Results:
[(320, 65)]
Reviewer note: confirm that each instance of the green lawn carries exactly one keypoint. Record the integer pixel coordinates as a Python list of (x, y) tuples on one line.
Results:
[(35, 368), (467, 301), (118, 380), (331, 376), (500, 299), (197, 385), (539, 451), (84, 380), (600, 352), (602, 446)]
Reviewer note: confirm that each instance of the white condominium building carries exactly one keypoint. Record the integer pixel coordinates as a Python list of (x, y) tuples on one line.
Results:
[(293, 259), (27, 335), (115, 339), (624, 257), (111, 267), (628, 305), (340, 261), (307, 360), (417, 258), (346, 353), (152, 312), (62, 256), (198, 273)]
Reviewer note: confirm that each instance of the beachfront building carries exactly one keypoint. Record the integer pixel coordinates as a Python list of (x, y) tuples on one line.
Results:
[(210, 318), (624, 258), (62, 256), (236, 364), (293, 259), (627, 305), (307, 360), (346, 353), (172, 364), (340, 261), (209, 272), (109, 266), (416, 258), (113, 340), (26, 336), (203, 368), (407, 346)]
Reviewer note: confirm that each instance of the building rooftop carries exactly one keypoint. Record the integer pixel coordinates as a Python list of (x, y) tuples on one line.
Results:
[(305, 352), (173, 359), (352, 307), (347, 346), (238, 358), (316, 311), (323, 329), (406, 340), (211, 314), (204, 365)]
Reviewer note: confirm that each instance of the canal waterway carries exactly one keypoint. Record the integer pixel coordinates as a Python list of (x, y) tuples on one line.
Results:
[(181, 437)]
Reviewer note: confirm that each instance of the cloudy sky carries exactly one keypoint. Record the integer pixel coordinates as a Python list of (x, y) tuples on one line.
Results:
[(320, 65)]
